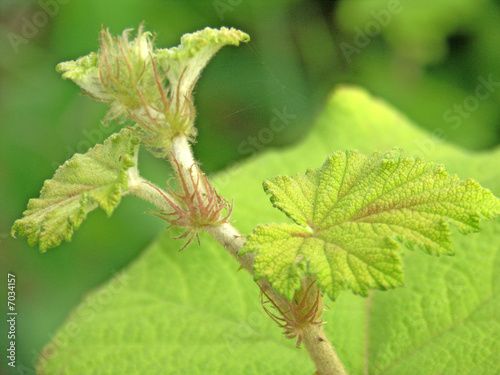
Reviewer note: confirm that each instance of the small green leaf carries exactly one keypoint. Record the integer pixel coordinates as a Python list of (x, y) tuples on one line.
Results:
[(183, 64), (120, 73), (96, 178), (85, 73), (348, 213)]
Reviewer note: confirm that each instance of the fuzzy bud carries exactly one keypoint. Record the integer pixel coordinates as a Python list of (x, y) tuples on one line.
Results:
[(151, 86)]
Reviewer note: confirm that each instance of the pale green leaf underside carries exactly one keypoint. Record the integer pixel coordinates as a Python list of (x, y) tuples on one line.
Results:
[(352, 207), (174, 314), (84, 182), (184, 63), (343, 258), (192, 313), (84, 72)]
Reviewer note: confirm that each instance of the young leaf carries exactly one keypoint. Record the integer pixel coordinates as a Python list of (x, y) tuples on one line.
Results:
[(183, 64), (96, 178), (152, 86), (120, 74), (348, 213)]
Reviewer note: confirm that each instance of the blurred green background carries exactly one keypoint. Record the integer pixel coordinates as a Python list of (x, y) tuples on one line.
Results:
[(437, 61)]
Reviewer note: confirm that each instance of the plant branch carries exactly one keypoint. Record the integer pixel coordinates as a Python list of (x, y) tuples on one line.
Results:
[(320, 349), (229, 237), (181, 154), (151, 193)]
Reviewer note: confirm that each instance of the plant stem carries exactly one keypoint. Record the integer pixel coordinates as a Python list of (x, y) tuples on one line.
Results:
[(321, 351), (149, 192), (319, 348), (229, 237), (182, 155)]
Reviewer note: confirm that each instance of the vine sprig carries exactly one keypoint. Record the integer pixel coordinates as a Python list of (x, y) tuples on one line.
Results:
[(300, 317), (350, 215)]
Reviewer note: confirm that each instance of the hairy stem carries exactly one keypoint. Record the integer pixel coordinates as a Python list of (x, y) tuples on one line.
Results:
[(151, 193), (181, 153), (319, 348), (321, 351), (229, 237)]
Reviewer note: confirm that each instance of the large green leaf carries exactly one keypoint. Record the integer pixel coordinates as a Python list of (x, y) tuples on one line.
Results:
[(192, 313)]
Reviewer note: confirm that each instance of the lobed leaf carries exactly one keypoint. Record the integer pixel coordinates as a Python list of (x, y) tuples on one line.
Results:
[(86, 181), (354, 207)]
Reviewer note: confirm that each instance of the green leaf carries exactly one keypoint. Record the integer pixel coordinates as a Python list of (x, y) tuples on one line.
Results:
[(86, 181), (120, 74), (85, 73), (173, 314), (192, 313), (183, 64), (349, 210)]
